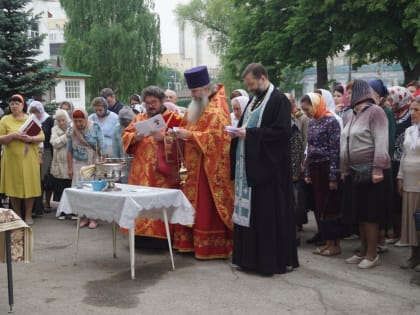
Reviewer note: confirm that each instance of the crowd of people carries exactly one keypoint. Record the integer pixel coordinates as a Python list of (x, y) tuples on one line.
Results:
[(352, 156)]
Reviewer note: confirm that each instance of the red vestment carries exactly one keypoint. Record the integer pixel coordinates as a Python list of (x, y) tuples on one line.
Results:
[(208, 185), (143, 169)]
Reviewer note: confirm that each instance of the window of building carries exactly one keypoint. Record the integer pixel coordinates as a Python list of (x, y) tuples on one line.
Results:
[(72, 89)]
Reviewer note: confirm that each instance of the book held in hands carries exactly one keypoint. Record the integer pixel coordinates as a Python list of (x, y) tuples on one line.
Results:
[(145, 127), (32, 126)]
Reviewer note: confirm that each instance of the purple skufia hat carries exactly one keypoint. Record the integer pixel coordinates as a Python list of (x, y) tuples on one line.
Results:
[(197, 77)]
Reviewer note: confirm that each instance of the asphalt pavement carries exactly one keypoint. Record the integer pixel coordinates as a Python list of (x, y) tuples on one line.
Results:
[(100, 284)]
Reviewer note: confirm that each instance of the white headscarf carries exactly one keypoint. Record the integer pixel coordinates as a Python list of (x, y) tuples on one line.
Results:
[(242, 100), (329, 99), (242, 92), (40, 108)]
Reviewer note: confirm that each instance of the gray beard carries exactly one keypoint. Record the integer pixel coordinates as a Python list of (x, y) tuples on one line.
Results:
[(196, 108)]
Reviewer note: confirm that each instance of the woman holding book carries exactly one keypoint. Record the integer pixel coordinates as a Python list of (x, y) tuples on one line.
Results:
[(20, 176), (85, 143)]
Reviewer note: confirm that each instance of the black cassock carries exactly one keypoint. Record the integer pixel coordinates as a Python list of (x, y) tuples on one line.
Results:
[(268, 246)]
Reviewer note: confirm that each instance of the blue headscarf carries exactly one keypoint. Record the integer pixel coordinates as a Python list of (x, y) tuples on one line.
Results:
[(101, 101)]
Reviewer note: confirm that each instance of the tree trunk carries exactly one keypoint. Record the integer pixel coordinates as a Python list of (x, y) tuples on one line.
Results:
[(321, 74), (410, 74)]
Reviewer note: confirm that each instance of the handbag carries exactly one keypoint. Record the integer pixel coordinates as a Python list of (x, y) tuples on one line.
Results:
[(360, 173)]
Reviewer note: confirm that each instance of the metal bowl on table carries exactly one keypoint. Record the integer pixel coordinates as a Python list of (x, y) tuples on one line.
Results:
[(111, 172)]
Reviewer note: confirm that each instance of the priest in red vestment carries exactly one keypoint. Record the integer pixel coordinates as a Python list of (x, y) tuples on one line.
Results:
[(144, 169), (208, 185)]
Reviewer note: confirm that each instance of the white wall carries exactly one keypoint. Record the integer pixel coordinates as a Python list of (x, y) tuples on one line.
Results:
[(40, 7), (60, 94)]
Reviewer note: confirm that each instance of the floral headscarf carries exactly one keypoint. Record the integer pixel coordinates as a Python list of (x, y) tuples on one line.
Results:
[(400, 99)]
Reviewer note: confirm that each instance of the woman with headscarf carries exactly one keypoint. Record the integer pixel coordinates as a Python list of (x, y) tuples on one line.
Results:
[(59, 165), (321, 169), (136, 104), (84, 147), (238, 107), (399, 100), (365, 168), (106, 119), (238, 92), (329, 100), (408, 185), (47, 122), (20, 175)]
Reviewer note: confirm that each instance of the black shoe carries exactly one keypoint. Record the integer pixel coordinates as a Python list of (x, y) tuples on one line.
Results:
[(62, 216)]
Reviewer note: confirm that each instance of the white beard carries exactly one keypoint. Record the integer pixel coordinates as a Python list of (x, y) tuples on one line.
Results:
[(196, 108)]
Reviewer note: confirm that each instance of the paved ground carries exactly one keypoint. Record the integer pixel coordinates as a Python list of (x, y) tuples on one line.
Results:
[(100, 284)]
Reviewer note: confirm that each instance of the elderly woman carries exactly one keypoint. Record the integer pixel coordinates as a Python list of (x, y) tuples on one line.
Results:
[(84, 146), (125, 116), (106, 119), (20, 176), (408, 185), (238, 107), (365, 167), (399, 100), (47, 122), (322, 162), (59, 165)]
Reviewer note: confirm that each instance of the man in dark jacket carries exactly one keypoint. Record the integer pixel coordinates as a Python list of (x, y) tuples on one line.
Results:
[(264, 230), (114, 105)]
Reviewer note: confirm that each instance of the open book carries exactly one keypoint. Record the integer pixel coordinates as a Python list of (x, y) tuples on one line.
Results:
[(145, 127), (32, 126)]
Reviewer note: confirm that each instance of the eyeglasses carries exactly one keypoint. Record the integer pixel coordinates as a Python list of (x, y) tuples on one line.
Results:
[(14, 103), (154, 102)]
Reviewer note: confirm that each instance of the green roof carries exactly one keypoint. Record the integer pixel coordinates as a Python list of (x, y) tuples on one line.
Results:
[(67, 73)]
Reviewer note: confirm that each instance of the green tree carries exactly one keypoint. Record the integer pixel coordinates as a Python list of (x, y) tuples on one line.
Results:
[(387, 31), (254, 37), (286, 33), (20, 72), (168, 78), (117, 42)]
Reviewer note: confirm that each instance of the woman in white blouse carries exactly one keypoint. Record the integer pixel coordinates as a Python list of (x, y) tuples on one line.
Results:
[(409, 186)]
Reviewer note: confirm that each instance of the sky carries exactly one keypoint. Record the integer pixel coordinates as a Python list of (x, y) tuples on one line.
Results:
[(168, 26)]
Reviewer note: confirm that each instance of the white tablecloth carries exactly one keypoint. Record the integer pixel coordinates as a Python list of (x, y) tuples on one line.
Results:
[(126, 205)]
